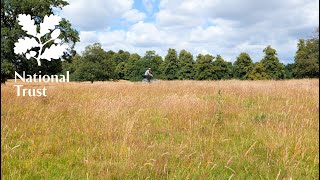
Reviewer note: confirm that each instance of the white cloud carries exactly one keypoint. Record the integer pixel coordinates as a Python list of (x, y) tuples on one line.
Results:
[(170, 20), (217, 33), (146, 35), (88, 36), (225, 27), (134, 15), (111, 37), (95, 14), (183, 14)]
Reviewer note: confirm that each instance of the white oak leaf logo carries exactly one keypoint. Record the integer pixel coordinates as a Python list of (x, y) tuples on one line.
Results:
[(55, 34), (54, 52), (47, 26), (27, 24), (30, 54), (23, 45), (49, 22)]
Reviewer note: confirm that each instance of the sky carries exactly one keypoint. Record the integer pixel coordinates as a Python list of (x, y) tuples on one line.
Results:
[(225, 27)]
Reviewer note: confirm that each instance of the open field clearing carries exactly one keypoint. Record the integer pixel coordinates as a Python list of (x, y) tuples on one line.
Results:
[(167, 130)]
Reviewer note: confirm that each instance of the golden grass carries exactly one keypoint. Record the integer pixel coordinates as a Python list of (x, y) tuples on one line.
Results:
[(167, 130)]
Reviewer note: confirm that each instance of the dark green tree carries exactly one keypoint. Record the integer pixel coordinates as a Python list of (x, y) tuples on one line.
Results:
[(121, 56), (169, 67), (7, 69), (132, 69), (288, 71), (204, 67), (153, 61), (110, 54), (221, 68), (136, 66), (120, 70), (186, 65), (242, 66), (258, 72), (94, 65), (270, 61), (306, 63), (120, 59)]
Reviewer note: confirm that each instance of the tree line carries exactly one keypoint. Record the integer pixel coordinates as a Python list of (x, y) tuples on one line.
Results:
[(95, 64)]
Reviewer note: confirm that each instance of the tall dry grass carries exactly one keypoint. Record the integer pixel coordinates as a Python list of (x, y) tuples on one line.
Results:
[(168, 130)]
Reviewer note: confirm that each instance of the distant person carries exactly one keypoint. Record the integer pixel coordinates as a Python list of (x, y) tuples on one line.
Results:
[(148, 74)]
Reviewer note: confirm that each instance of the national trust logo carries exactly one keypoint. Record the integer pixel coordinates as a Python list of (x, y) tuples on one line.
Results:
[(40, 45)]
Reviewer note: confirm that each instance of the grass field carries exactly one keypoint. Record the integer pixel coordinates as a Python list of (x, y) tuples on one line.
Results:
[(167, 130)]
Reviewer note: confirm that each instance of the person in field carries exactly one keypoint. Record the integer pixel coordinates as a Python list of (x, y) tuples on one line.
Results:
[(148, 74)]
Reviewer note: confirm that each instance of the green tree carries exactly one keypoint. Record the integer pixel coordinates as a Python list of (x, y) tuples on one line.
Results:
[(186, 65), (204, 67), (94, 65), (7, 69), (120, 70), (132, 69), (153, 61), (87, 71), (306, 64), (170, 65), (221, 68), (288, 71), (120, 59), (136, 66), (11, 31), (258, 72), (110, 54), (270, 61), (121, 56), (242, 66), (71, 65)]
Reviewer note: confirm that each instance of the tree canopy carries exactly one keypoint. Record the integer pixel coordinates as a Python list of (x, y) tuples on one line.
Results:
[(169, 68), (306, 61), (95, 64), (242, 66), (270, 61)]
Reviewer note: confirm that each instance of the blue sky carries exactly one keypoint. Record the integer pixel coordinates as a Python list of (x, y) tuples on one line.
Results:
[(225, 27)]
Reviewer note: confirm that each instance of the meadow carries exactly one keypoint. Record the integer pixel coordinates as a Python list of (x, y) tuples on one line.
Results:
[(167, 130)]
